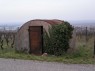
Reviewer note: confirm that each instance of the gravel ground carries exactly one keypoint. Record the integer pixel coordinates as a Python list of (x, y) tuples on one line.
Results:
[(29, 65)]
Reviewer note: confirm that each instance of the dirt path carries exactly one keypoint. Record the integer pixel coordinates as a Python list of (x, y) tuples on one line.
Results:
[(29, 65)]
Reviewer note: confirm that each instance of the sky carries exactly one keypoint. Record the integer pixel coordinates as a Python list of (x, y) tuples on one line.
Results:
[(21, 11)]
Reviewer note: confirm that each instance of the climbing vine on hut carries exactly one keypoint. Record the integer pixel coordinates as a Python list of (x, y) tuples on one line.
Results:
[(58, 42)]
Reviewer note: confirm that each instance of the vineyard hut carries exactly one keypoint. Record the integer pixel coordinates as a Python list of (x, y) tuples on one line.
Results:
[(29, 37)]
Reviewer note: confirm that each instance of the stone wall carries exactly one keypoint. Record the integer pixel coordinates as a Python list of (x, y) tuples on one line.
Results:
[(22, 37)]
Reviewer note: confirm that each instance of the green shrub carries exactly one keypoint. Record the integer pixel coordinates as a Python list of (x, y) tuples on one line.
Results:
[(58, 42)]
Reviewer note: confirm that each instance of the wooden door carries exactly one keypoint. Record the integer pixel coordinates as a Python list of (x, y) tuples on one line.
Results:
[(36, 41)]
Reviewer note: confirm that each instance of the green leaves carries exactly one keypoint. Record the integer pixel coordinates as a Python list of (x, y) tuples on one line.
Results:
[(58, 42)]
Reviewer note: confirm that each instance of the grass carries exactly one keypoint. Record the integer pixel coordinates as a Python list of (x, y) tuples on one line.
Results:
[(75, 58), (82, 55)]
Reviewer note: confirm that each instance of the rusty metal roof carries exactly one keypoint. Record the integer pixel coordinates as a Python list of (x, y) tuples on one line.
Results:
[(52, 22)]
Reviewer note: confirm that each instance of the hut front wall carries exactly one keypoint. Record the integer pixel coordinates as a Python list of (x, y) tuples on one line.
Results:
[(22, 37)]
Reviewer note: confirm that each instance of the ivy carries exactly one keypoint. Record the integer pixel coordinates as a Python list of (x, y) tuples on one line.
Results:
[(58, 42)]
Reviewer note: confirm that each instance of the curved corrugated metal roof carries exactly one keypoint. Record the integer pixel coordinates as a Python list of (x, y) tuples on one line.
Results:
[(52, 22)]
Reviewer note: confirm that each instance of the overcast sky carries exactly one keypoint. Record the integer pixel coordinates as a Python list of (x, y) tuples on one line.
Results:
[(25, 10)]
